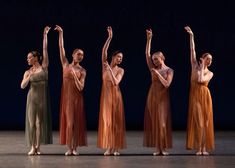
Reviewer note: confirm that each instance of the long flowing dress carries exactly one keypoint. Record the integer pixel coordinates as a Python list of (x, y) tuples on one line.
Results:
[(200, 110), (157, 118), (38, 109), (111, 133), (72, 106)]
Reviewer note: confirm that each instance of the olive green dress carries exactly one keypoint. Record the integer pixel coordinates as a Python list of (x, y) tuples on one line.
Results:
[(38, 109)]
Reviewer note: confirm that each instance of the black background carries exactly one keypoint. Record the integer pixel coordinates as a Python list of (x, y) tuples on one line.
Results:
[(84, 23)]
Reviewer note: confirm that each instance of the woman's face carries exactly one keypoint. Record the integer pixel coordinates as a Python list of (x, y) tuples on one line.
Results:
[(31, 59), (118, 58), (157, 60), (208, 60), (78, 56)]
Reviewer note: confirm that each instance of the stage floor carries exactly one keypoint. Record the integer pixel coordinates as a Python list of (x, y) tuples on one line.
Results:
[(13, 153)]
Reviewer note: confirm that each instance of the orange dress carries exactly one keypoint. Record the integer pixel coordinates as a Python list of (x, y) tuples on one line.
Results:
[(200, 111), (157, 117), (72, 104), (111, 133)]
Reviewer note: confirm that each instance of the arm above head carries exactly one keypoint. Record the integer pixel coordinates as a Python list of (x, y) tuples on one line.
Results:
[(149, 35), (45, 61), (192, 47), (106, 44), (63, 58)]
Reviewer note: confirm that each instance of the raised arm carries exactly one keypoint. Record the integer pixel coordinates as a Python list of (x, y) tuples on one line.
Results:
[(45, 61), (106, 44), (192, 47), (149, 35), (63, 58), (165, 81)]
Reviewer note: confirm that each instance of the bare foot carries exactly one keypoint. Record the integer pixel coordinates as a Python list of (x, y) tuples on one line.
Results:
[(205, 153), (165, 153), (116, 153), (37, 151), (199, 153), (32, 152), (107, 153), (156, 153), (68, 153), (75, 152)]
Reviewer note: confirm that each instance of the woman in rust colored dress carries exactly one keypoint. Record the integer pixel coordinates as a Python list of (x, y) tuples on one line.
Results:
[(157, 119), (111, 133), (200, 131), (72, 113)]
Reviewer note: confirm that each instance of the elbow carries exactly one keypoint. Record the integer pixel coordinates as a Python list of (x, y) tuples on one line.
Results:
[(22, 86), (81, 88), (200, 80), (167, 86), (147, 54), (116, 83)]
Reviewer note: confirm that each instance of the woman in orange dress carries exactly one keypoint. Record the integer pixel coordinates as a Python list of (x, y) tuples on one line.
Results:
[(111, 133), (72, 112), (157, 118), (200, 131)]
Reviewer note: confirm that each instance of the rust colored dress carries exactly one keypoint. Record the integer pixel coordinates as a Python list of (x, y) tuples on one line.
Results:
[(157, 117), (111, 133), (200, 110), (72, 104)]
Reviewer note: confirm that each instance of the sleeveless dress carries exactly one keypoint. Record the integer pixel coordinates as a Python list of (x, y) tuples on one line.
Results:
[(111, 132), (72, 103), (38, 103), (200, 110), (157, 117)]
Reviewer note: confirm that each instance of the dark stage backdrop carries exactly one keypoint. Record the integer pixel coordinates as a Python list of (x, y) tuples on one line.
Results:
[(84, 23)]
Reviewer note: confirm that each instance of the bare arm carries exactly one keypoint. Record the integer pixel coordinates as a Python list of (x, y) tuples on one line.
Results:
[(192, 48), (63, 58), (45, 61), (25, 80), (106, 45), (165, 81), (116, 79), (148, 49), (79, 82)]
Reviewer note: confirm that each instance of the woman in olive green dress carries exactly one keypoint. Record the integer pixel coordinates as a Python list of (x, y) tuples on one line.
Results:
[(38, 116)]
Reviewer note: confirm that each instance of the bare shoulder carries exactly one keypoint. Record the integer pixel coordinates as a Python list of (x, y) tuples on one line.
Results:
[(27, 72), (210, 73), (82, 70), (120, 70), (170, 70)]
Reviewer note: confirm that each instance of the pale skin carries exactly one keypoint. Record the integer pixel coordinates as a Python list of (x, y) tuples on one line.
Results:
[(201, 74), (157, 66), (36, 68), (113, 70), (78, 73)]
